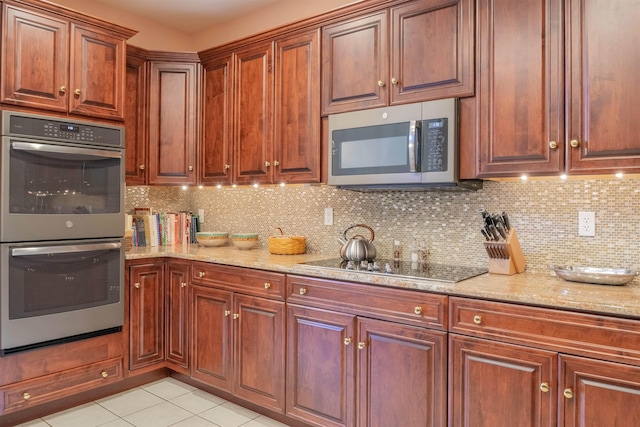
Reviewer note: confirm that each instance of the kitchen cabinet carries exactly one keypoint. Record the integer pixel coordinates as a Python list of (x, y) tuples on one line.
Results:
[(574, 368), (173, 121), (136, 116), (146, 314), (545, 107), (412, 52), (238, 332), (261, 115), (347, 339), (55, 59), (177, 315)]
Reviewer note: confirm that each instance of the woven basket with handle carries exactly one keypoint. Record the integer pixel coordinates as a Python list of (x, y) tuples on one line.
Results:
[(287, 245)]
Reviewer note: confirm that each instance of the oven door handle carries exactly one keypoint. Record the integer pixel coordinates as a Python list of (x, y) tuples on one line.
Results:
[(34, 147), (66, 249)]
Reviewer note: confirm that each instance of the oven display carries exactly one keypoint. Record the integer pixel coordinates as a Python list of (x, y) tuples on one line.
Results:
[(69, 128)]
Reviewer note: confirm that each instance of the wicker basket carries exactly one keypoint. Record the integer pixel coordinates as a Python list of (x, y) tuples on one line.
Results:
[(287, 245)]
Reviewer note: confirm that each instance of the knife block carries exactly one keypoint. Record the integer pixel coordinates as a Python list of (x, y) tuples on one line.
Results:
[(505, 257)]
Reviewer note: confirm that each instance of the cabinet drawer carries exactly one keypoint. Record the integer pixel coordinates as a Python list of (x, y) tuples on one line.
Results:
[(564, 331), (60, 384), (237, 279), (398, 305)]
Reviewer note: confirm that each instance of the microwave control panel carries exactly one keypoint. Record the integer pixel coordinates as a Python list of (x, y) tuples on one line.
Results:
[(435, 145)]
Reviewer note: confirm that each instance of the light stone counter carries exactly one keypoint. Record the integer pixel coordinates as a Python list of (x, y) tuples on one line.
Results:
[(535, 289)]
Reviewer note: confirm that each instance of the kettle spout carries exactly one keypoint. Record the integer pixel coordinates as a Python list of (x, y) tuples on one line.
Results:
[(342, 239)]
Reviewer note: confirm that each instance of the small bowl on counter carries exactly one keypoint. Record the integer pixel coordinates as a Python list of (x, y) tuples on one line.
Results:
[(212, 238), (245, 240)]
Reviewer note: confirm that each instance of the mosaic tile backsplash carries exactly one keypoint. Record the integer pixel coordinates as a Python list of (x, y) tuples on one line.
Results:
[(544, 213)]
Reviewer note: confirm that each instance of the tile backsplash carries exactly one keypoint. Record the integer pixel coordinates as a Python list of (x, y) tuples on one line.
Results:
[(544, 213)]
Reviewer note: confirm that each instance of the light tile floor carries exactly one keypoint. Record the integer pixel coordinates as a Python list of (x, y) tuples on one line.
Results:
[(167, 402)]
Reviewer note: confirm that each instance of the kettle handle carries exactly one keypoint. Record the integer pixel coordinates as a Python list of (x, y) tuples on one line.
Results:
[(360, 225)]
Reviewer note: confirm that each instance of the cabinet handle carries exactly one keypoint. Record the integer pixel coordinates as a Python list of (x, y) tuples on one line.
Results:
[(394, 81), (276, 163), (574, 143), (77, 92), (183, 285), (477, 319), (361, 345), (568, 393), (227, 166), (137, 285), (141, 167), (267, 285), (227, 312), (190, 168), (544, 387), (303, 291), (201, 274), (347, 341), (380, 83), (63, 89), (26, 395), (267, 164), (235, 316), (417, 310), (553, 145), (104, 374)]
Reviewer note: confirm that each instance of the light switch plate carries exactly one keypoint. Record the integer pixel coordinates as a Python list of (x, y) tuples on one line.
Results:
[(328, 216)]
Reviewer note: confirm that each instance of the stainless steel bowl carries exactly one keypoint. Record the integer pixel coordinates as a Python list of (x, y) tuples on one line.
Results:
[(599, 276)]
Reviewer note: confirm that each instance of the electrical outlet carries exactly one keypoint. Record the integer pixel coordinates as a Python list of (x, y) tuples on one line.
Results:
[(328, 216), (201, 215), (586, 224)]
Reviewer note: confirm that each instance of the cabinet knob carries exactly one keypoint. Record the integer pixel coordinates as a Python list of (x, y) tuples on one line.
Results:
[(347, 341), (267, 164), (276, 163), (77, 92), (227, 312), (417, 310), (26, 396), (183, 285), (394, 81), (303, 291), (227, 166), (380, 83), (544, 387), (568, 393), (190, 168), (235, 316), (553, 145), (63, 89), (267, 285), (104, 374), (361, 345), (477, 319), (574, 143), (201, 274), (141, 167), (137, 285)]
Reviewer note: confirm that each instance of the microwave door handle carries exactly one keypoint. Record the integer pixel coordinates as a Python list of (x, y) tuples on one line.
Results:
[(34, 147), (414, 146), (68, 249)]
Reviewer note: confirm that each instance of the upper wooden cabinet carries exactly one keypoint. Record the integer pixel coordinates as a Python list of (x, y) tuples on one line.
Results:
[(526, 80), (58, 60), (416, 51), (136, 117), (261, 112)]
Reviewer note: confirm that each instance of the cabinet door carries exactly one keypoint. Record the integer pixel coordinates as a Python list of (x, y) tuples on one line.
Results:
[(597, 393), (402, 376), (432, 50), (146, 314), (253, 105), (135, 122), (97, 73), (355, 64), (494, 384), (35, 59), (603, 87), (297, 109), (173, 123), (320, 377), (259, 351), (216, 152), (177, 327), (211, 335), (520, 101)]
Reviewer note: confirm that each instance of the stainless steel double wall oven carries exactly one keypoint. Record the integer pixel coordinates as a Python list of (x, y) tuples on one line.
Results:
[(61, 230)]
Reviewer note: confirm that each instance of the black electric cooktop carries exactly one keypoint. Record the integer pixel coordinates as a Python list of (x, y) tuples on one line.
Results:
[(440, 272)]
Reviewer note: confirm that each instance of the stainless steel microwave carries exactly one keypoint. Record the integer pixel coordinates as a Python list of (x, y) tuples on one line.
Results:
[(403, 147)]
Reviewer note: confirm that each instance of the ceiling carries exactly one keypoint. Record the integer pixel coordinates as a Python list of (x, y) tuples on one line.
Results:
[(189, 16)]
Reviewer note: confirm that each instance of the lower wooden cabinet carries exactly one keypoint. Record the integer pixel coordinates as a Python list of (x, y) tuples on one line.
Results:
[(177, 315)]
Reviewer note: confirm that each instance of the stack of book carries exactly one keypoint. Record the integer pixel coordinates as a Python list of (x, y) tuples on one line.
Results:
[(163, 228)]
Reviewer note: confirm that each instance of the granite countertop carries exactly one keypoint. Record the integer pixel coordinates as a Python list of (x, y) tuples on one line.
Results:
[(540, 289)]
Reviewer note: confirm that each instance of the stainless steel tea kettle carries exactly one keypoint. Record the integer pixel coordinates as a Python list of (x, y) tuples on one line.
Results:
[(357, 248)]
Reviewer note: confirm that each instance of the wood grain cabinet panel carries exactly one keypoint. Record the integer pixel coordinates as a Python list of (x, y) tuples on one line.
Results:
[(177, 315), (135, 113)]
